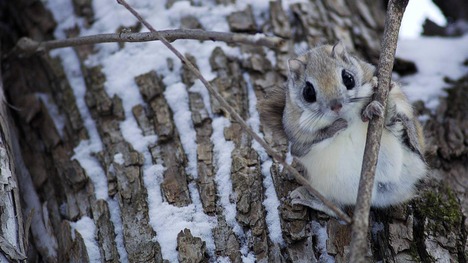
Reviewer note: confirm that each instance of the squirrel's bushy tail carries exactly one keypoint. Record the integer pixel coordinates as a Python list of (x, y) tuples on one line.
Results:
[(271, 109)]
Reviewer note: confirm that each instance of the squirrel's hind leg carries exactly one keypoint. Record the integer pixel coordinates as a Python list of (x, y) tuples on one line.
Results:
[(302, 196)]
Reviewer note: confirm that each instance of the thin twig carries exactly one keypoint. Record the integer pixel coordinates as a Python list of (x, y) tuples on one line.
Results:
[(239, 119), (395, 11), (28, 46)]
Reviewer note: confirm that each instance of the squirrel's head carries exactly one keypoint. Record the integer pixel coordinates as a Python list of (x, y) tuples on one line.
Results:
[(325, 84)]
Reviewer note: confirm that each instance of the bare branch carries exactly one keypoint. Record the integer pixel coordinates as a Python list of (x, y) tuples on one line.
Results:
[(239, 119), (28, 46), (395, 11)]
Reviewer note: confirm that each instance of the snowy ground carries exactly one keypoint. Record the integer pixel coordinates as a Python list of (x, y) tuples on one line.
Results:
[(435, 58)]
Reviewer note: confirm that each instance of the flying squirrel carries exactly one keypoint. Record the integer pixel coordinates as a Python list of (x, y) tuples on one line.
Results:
[(324, 111)]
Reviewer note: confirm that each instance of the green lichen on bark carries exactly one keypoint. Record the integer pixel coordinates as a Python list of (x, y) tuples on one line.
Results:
[(438, 219), (413, 251), (442, 208)]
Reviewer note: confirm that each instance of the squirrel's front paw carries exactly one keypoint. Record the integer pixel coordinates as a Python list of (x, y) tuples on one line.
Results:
[(375, 83), (374, 108), (340, 124)]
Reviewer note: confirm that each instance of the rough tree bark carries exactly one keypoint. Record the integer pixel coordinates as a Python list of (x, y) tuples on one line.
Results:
[(431, 228)]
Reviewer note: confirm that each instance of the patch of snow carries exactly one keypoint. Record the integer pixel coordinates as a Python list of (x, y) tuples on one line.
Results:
[(114, 211), (435, 58), (118, 158), (203, 224), (246, 255), (222, 158), (134, 135), (416, 13), (223, 260), (320, 232), (271, 56), (271, 202), (177, 98), (84, 154), (289, 157), (248, 258), (86, 227)]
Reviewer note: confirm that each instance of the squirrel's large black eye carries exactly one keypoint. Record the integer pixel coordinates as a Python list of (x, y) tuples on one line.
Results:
[(309, 93), (348, 79)]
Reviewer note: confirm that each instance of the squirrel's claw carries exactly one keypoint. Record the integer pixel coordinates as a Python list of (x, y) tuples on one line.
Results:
[(374, 82)]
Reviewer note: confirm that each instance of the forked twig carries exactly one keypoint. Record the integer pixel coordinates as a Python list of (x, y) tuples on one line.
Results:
[(395, 11), (239, 119), (28, 46)]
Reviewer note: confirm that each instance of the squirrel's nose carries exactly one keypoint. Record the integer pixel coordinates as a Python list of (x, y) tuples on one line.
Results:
[(336, 106)]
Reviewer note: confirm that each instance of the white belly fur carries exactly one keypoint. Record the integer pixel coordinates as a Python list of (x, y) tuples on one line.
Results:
[(334, 167)]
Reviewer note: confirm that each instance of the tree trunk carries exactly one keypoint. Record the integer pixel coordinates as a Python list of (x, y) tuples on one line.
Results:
[(13, 239), (60, 193)]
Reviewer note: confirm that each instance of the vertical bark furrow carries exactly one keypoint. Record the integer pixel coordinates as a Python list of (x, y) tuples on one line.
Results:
[(203, 128), (245, 170), (105, 232), (170, 151)]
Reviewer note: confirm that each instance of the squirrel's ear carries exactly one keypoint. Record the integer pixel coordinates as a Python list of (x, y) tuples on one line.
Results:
[(296, 68), (339, 51)]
